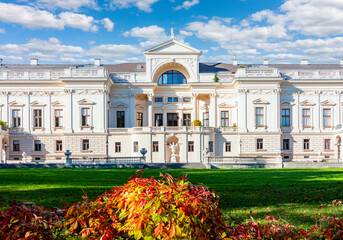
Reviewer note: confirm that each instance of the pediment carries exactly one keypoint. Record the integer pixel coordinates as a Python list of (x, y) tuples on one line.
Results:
[(140, 107), (226, 105), (175, 106), (85, 102), (327, 103), (307, 103), (120, 105), (260, 101), (16, 104), (57, 103), (37, 104), (287, 103), (204, 107), (172, 46)]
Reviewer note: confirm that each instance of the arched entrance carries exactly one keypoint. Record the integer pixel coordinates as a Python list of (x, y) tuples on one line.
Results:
[(338, 148), (173, 141)]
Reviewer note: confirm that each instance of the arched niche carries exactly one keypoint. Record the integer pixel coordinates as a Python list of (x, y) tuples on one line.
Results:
[(168, 67)]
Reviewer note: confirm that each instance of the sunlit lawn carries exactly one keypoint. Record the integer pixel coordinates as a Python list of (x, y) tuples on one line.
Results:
[(297, 196)]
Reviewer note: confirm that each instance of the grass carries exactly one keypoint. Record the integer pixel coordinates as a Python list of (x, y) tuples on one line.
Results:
[(297, 196)]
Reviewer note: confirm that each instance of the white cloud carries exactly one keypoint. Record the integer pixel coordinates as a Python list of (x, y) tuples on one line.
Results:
[(108, 24), (2, 30), (91, 42), (151, 32), (34, 18), (144, 5), (187, 4), (185, 33), (66, 4)]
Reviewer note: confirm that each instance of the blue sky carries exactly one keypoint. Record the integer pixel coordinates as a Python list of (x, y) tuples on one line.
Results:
[(76, 31)]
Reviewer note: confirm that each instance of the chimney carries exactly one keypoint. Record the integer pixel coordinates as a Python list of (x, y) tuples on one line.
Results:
[(304, 62), (235, 62), (34, 61), (341, 62), (97, 61), (265, 62)]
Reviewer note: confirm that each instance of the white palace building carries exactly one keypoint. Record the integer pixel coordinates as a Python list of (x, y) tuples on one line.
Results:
[(288, 111)]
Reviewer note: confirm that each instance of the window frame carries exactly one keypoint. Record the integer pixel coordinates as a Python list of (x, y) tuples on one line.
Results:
[(210, 146), (135, 146), (306, 144), (122, 121), (59, 145), (117, 146), (259, 117), (37, 145), (327, 144), (167, 78), (16, 120), (306, 118), (159, 120), (16, 146), (228, 146), (155, 147), (259, 144), (288, 144), (224, 120), (190, 146), (326, 118), (85, 117), (206, 121), (286, 117), (85, 144), (58, 118), (187, 122), (139, 119)]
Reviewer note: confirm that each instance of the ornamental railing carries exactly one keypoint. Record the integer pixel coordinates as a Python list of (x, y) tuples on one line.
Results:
[(108, 160), (239, 160)]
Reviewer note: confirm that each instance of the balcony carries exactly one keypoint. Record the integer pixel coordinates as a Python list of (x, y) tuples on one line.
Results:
[(162, 129)]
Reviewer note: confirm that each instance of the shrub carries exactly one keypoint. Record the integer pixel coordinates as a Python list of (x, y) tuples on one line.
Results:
[(3, 124), (146, 208), (216, 79), (196, 123)]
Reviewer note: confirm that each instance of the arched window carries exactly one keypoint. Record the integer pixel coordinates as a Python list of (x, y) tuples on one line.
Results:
[(172, 77)]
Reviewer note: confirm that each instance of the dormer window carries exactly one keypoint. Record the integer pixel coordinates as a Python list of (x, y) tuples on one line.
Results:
[(172, 77)]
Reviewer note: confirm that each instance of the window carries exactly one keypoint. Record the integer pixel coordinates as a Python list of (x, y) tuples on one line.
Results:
[(37, 118), (186, 99), (285, 117), (225, 118), (135, 146), (118, 147), (85, 144), (155, 146), (139, 119), (205, 120), (172, 119), (58, 118), (326, 117), (38, 146), (172, 77), (259, 144), (16, 118), (16, 146), (285, 144), (59, 146), (191, 146), (210, 146), (259, 116), (85, 117), (327, 144), (306, 114), (187, 119), (306, 144), (158, 99), (227, 146), (120, 119), (158, 119), (173, 99)]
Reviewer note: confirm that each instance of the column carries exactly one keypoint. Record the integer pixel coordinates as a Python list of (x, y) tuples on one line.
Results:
[(318, 119), (26, 120), (132, 109), (48, 120), (69, 118), (150, 117), (195, 106), (242, 106), (337, 109), (213, 110), (278, 109)]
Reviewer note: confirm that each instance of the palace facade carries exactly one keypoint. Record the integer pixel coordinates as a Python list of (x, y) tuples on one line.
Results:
[(288, 111)]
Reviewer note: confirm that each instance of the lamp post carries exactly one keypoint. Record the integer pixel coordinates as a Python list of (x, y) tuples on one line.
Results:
[(5, 144)]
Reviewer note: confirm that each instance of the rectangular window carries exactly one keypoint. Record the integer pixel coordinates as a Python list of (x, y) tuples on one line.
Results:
[(210, 146), (227, 146), (285, 117), (155, 146), (191, 146), (16, 118), (16, 146), (259, 144), (58, 118), (327, 144), (306, 115), (85, 117), (285, 144), (186, 99), (158, 99), (139, 122), (224, 118), (187, 119), (158, 119), (170, 99), (259, 116), (118, 147), (172, 120), (326, 117), (135, 146), (59, 146), (38, 145), (37, 118), (175, 99), (120, 119), (206, 120), (306, 144), (85, 144)]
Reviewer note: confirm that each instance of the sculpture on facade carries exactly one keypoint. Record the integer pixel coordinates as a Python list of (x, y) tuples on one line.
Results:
[(173, 147), (4, 160), (24, 157)]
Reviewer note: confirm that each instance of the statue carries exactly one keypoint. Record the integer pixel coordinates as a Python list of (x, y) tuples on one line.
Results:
[(172, 33), (173, 147), (4, 159), (24, 157)]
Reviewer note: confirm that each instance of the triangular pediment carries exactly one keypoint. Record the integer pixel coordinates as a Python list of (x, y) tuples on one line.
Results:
[(226, 105), (172, 46), (85, 102), (140, 107), (287, 103), (120, 105), (37, 104), (327, 103), (16, 104), (307, 103), (57, 104), (260, 101)]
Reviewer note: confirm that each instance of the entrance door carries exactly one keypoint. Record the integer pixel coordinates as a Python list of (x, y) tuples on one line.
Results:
[(172, 119)]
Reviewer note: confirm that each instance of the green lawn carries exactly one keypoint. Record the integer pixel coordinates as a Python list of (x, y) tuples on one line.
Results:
[(297, 196)]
